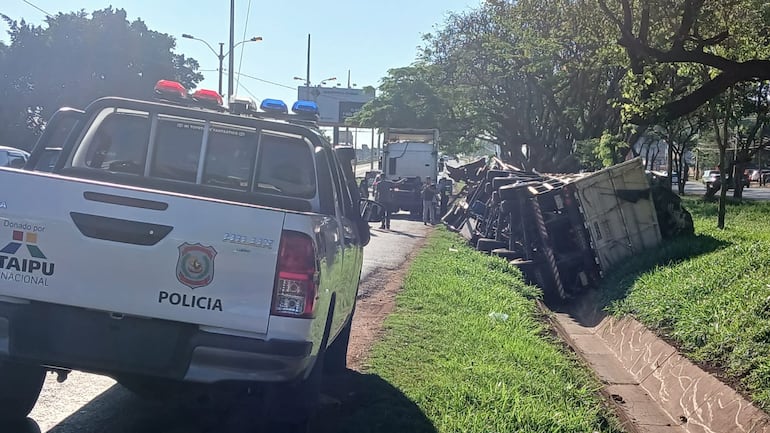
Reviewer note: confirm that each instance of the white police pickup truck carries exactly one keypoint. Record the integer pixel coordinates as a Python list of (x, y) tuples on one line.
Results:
[(165, 243)]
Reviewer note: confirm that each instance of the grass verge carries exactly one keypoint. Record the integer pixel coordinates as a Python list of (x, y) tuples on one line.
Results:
[(451, 367), (709, 294)]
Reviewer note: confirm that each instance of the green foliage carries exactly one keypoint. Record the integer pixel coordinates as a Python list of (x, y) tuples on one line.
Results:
[(709, 293), (75, 58), (610, 149), (469, 372)]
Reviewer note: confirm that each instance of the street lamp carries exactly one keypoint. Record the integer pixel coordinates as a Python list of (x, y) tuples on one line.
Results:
[(221, 56), (321, 83)]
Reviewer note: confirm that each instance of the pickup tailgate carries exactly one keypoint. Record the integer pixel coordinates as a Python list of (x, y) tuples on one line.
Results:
[(137, 252)]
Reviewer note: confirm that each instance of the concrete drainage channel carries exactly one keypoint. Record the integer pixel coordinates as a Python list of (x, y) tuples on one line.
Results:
[(652, 387)]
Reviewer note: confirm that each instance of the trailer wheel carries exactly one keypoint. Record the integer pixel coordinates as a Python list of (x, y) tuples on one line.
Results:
[(20, 386), (487, 245)]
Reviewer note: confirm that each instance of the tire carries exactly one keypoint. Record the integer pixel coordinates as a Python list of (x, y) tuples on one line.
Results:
[(487, 244), (291, 407), (20, 386), (336, 361)]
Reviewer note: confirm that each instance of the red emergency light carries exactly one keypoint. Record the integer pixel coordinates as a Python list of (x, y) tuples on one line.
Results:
[(168, 89), (208, 98)]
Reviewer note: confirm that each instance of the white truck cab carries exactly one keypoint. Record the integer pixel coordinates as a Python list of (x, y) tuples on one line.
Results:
[(158, 242)]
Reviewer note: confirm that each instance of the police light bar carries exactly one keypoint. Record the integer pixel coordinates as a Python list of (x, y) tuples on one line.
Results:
[(208, 98), (274, 106), (168, 89), (305, 107)]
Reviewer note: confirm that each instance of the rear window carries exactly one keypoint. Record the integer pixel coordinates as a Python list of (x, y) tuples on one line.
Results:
[(285, 165), (199, 152), (119, 144)]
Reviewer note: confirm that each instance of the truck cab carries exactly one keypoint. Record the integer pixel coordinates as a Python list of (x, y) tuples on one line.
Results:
[(410, 154)]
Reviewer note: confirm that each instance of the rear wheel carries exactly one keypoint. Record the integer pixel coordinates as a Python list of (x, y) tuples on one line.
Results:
[(336, 361), (20, 386), (291, 407)]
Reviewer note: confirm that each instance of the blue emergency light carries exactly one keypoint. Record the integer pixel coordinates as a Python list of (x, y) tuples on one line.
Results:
[(273, 106), (305, 107)]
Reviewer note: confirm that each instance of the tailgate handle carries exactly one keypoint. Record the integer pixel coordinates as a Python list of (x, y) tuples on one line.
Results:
[(119, 230), (125, 201)]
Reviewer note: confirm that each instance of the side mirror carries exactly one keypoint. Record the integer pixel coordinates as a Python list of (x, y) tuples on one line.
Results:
[(371, 211)]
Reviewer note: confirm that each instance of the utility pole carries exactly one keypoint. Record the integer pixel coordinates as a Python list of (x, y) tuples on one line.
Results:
[(231, 63), (307, 76), (221, 58)]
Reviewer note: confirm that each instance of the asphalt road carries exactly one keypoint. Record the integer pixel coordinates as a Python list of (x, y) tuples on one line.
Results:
[(754, 192), (89, 403)]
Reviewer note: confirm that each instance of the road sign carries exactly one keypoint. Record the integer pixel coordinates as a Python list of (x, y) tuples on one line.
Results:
[(335, 104)]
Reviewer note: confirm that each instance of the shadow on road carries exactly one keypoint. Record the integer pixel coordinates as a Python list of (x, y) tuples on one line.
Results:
[(352, 402)]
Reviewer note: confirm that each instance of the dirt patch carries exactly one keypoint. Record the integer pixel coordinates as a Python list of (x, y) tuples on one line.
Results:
[(380, 289)]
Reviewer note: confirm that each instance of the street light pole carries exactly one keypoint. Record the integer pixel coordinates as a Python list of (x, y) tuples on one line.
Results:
[(231, 65), (221, 58)]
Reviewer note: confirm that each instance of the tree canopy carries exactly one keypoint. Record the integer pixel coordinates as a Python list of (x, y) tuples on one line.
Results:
[(564, 84), (75, 58)]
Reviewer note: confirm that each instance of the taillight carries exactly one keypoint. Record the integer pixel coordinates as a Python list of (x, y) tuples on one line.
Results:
[(295, 289)]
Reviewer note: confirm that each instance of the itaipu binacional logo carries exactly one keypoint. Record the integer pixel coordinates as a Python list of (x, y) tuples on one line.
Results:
[(195, 267)]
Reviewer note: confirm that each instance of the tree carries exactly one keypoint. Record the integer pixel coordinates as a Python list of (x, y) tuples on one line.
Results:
[(74, 59), (702, 32), (681, 136), (534, 73)]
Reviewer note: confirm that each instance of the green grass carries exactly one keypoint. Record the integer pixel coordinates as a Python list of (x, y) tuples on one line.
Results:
[(445, 365), (709, 294)]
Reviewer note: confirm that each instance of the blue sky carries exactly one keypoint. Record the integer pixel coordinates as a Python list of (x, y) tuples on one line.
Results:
[(365, 37)]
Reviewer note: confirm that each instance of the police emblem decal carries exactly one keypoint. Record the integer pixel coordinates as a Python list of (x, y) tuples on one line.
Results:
[(195, 267)]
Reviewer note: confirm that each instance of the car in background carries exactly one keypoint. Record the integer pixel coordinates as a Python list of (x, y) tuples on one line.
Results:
[(710, 176), (757, 175), (12, 157)]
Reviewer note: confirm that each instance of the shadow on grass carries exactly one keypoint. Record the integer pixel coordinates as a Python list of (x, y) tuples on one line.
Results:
[(369, 404), (589, 308)]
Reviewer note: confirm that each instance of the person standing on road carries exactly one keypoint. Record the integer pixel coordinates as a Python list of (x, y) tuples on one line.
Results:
[(429, 193), (383, 194), (363, 189)]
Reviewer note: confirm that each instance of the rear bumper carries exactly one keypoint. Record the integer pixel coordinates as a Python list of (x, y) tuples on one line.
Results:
[(79, 339)]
